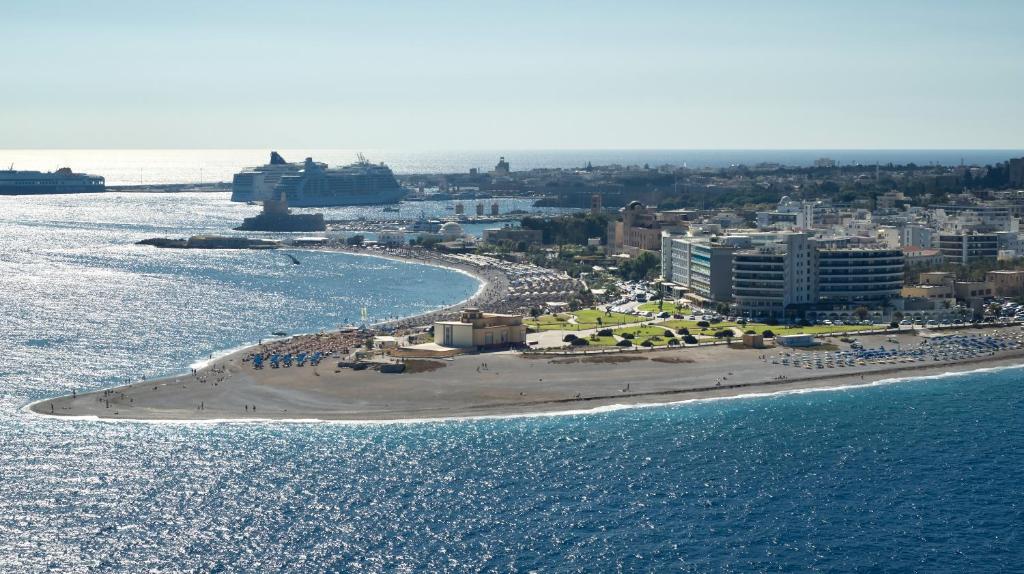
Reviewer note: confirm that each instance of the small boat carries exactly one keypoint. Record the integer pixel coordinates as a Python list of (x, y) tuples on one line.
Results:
[(279, 334)]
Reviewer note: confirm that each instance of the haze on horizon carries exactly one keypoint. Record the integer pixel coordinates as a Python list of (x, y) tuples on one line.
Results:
[(413, 75)]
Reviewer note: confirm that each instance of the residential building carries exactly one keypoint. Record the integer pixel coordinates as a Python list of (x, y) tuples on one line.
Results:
[(1006, 283), (1017, 171), (916, 235), (513, 234), (967, 247), (921, 257)]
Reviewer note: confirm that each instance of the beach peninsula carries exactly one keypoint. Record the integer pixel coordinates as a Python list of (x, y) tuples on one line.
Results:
[(498, 384)]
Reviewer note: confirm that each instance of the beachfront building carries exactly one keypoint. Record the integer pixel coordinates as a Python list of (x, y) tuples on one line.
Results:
[(700, 268), (476, 329), (391, 237), (795, 276), (859, 276), (770, 279), (968, 247)]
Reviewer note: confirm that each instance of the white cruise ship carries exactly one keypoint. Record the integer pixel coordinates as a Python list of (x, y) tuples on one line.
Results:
[(45, 183), (313, 184)]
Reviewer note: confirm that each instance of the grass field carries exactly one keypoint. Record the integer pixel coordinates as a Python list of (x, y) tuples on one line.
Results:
[(585, 319), (652, 307)]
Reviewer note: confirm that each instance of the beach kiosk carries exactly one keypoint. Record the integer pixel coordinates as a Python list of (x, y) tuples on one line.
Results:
[(800, 340)]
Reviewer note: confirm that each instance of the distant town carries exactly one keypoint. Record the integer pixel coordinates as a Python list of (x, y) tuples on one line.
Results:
[(836, 243)]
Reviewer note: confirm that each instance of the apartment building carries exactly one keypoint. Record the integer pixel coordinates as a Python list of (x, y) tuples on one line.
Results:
[(967, 247)]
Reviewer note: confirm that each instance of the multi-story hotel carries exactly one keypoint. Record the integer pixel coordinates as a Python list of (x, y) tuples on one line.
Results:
[(700, 267), (770, 278), (793, 275), (862, 276)]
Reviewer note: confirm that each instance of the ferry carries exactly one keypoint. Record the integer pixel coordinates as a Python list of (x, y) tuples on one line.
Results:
[(46, 183), (313, 184)]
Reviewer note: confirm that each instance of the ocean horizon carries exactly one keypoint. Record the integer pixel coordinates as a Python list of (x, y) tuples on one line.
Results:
[(194, 166)]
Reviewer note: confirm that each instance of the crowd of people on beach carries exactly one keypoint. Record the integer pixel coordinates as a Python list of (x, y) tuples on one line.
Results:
[(508, 287)]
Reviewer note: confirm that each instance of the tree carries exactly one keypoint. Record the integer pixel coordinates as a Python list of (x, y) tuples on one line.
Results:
[(689, 339), (355, 240), (640, 267), (861, 312), (767, 334)]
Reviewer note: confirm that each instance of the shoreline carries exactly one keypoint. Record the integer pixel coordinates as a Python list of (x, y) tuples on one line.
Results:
[(995, 367), (456, 391), (408, 321)]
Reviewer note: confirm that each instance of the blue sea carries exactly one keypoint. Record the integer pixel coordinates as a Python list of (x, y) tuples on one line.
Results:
[(917, 476)]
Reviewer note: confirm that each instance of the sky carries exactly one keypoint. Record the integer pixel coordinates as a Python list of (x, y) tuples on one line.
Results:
[(512, 75)]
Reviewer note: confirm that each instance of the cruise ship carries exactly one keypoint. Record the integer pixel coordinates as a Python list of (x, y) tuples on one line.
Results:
[(45, 183), (313, 184)]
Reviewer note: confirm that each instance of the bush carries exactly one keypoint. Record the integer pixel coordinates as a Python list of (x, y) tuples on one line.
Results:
[(689, 339), (750, 332), (703, 324), (723, 334), (767, 334), (604, 333), (647, 344), (569, 338), (579, 342), (684, 331), (669, 333), (628, 336), (894, 325), (673, 342), (624, 343)]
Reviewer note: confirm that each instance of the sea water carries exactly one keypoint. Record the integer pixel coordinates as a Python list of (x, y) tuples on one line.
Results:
[(922, 475)]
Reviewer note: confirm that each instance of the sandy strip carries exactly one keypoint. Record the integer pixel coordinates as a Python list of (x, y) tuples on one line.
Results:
[(493, 384)]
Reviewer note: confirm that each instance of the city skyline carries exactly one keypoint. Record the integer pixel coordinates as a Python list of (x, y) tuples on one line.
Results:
[(654, 75)]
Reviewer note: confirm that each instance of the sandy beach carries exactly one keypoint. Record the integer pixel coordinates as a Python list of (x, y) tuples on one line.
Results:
[(489, 384)]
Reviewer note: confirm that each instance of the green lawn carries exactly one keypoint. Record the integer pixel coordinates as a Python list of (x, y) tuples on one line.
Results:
[(588, 318), (652, 307), (550, 322), (602, 341)]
